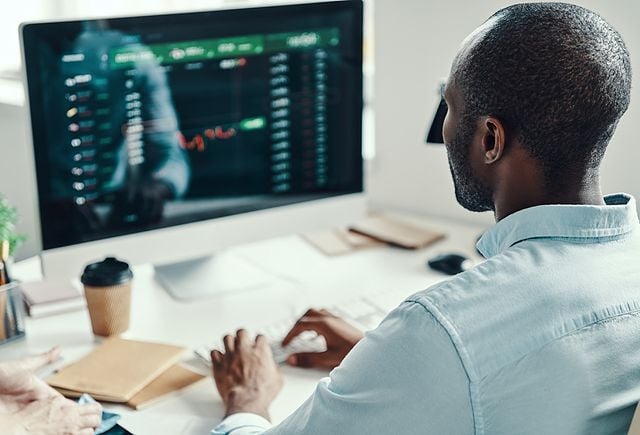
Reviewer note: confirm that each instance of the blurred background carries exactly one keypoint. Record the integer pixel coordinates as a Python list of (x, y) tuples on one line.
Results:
[(409, 46)]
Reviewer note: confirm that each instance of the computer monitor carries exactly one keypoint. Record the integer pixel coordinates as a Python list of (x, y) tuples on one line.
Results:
[(170, 137)]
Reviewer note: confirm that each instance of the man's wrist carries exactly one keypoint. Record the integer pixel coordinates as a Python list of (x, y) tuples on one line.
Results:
[(245, 400)]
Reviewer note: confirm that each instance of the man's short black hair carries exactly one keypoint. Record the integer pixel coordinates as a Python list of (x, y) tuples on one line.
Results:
[(558, 75)]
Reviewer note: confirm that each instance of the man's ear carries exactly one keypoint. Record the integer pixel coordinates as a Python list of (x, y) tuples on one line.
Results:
[(493, 140)]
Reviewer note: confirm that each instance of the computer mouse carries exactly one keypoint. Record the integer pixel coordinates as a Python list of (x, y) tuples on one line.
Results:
[(450, 263)]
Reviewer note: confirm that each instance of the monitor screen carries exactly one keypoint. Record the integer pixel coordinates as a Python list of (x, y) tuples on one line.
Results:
[(141, 123)]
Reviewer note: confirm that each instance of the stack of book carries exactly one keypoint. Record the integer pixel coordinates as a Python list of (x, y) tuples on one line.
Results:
[(135, 373), (45, 298)]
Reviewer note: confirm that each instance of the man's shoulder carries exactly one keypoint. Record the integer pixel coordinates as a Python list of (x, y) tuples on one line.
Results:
[(534, 293), (473, 289), (492, 314)]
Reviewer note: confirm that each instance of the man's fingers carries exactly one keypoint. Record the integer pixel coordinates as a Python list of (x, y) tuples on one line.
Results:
[(310, 314), (40, 390), (228, 341), (216, 357), (316, 312), (262, 345), (89, 409), (302, 325), (241, 340), (86, 432), (261, 341), (323, 360), (90, 421), (33, 363)]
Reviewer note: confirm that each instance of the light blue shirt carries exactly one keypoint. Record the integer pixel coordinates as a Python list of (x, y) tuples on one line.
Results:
[(541, 338)]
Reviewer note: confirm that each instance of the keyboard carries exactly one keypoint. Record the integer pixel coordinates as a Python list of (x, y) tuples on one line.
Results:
[(363, 313)]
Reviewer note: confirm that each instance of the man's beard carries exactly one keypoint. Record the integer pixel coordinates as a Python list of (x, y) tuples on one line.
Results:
[(471, 193)]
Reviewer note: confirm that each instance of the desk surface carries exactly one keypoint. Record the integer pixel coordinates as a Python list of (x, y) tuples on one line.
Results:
[(302, 277)]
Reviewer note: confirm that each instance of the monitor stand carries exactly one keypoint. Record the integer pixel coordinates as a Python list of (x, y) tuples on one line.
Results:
[(210, 276)]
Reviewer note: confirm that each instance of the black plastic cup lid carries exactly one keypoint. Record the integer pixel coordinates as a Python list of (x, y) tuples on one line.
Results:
[(107, 272)]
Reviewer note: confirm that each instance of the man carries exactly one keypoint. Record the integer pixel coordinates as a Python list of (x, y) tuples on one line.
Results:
[(137, 162), (30, 406), (544, 336)]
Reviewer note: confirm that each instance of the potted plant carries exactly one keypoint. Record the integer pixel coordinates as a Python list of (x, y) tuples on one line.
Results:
[(8, 219), (11, 324)]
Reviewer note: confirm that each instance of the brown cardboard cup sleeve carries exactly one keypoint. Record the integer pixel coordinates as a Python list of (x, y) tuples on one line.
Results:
[(107, 288), (109, 308)]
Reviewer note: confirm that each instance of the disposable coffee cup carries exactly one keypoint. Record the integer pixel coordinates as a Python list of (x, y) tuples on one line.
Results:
[(107, 288)]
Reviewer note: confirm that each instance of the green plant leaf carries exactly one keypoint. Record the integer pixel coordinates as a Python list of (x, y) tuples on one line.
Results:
[(8, 220)]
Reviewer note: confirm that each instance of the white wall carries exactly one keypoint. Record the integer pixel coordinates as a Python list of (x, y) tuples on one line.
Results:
[(415, 42), (17, 182)]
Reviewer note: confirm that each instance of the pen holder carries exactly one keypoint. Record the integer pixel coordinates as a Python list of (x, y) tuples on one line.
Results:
[(11, 313)]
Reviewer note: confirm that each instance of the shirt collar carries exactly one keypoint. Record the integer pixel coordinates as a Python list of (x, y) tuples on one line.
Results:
[(617, 217)]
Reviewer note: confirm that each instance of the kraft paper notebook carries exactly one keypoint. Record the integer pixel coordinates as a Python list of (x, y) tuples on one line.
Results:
[(396, 232), (117, 369), (338, 241), (169, 382)]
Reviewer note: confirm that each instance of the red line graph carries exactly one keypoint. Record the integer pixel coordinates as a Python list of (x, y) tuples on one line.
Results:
[(200, 141)]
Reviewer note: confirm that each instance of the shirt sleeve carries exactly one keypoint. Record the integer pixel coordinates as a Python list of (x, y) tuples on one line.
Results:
[(242, 423), (165, 159), (403, 377)]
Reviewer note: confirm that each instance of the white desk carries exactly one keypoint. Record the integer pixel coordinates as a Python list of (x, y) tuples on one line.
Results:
[(303, 277)]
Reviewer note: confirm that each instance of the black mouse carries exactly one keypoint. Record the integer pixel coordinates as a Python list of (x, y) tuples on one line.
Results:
[(450, 264)]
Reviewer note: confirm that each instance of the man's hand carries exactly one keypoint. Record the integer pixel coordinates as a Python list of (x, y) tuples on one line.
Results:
[(29, 406), (145, 201), (150, 199), (246, 375), (339, 335), (19, 386), (53, 416)]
